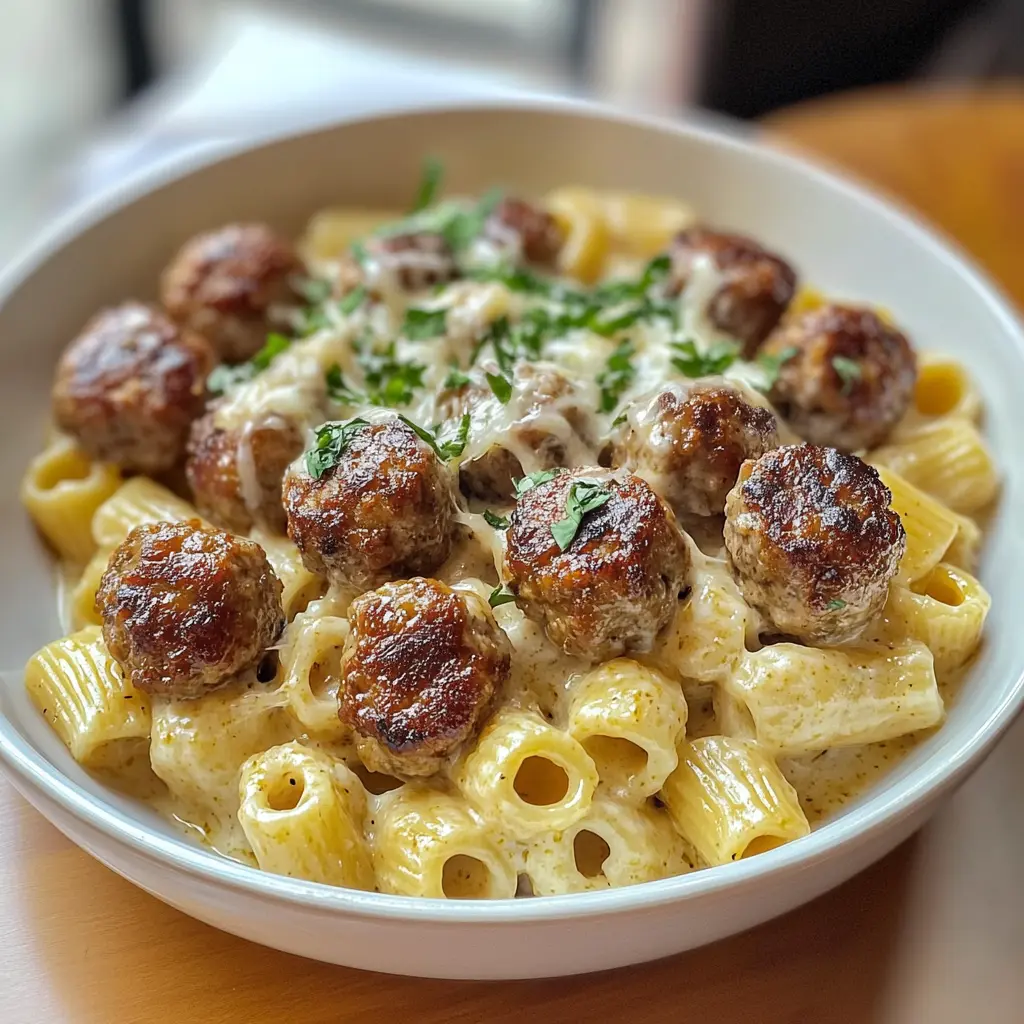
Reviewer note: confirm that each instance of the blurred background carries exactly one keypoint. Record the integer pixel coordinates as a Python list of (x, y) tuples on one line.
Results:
[(92, 89)]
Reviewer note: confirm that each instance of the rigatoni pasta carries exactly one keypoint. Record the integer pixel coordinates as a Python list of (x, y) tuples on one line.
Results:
[(302, 813), (62, 490), (729, 800), (429, 843), (82, 692), (629, 719), (804, 699)]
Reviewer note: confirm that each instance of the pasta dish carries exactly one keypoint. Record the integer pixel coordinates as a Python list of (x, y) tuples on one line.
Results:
[(501, 547)]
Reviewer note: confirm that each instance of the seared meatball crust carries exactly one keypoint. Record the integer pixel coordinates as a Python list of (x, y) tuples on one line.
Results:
[(550, 420), (688, 443), (529, 230), (128, 387), (225, 284), (619, 580), (414, 260), (422, 668), (757, 284), (235, 474), (382, 512), (848, 379), (813, 541), (187, 608)]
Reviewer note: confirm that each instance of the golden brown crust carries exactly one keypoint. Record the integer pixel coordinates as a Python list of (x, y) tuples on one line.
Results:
[(848, 379), (219, 458), (813, 541), (223, 284), (129, 386), (383, 512), (423, 667), (618, 582), (187, 608), (758, 284), (689, 444), (528, 228), (416, 260)]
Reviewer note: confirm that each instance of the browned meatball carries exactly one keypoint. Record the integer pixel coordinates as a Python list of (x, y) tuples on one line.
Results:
[(129, 386), (757, 285), (548, 422), (421, 671), (187, 608), (616, 584), (415, 260), (848, 377), (226, 283), (382, 511), (527, 229), (235, 474), (813, 541), (688, 443)]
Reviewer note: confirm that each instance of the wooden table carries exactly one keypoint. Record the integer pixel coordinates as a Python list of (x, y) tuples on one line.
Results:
[(933, 933)]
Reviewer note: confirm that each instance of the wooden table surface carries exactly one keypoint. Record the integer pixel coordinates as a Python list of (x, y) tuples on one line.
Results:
[(934, 933)]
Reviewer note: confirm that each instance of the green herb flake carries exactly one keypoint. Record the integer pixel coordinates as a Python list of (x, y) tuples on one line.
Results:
[(617, 375), (500, 595), (837, 604), (455, 379), (331, 441), (430, 184), (313, 289), (691, 362), (849, 371), (225, 377), (771, 363), (444, 450), (501, 386), (531, 480), (351, 302), (390, 382), (424, 324), (359, 253), (584, 496), (338, 390), (495, 520)]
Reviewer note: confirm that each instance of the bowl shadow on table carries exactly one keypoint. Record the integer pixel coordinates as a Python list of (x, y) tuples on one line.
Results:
[(113, 953)]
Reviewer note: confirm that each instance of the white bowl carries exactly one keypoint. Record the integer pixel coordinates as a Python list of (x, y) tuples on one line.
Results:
[(841, 238)]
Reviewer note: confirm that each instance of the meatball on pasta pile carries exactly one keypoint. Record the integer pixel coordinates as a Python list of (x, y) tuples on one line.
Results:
[(511, 546)]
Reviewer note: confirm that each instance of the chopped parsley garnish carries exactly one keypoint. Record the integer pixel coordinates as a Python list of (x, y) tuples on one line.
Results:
[(458, 224), (493, 519), (338, 390), (531, 480), (359, 253), (692, 363), (444, 450), (771, 363), (331, 441), (311, 320), (224, 377), (500, 595), (351, 302), (617, 375), (313, 289), (430, 184), (455, 379), (501, 386), (584, 496), (423, 324), (389, 381), (849, 371), (836, 604)]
